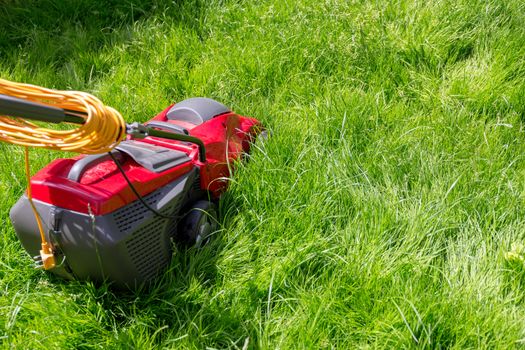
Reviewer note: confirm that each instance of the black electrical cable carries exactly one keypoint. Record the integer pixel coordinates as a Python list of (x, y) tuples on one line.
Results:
[(139, 197)]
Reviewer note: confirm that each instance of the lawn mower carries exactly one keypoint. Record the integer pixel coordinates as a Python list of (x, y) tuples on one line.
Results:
[(114, 216)]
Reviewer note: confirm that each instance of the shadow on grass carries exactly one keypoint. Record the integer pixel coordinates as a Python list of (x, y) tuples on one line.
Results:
[(78, 38)]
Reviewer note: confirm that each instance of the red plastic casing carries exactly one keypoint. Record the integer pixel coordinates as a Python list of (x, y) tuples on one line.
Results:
[(102, 189)]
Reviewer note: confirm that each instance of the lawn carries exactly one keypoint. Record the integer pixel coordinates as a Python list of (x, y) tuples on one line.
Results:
[(379, 214)]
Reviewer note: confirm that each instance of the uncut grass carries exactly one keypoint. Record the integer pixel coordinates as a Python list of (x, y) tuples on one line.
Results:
[(377, 214)]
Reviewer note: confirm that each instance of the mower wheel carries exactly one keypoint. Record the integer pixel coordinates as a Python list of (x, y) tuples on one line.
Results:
[(263, 136), (197, 226)]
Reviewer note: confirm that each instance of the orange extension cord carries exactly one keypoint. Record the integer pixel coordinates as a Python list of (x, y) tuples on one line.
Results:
[(102, 130)]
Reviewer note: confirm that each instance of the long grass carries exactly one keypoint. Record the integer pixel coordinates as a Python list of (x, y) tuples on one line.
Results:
[(379, 213)]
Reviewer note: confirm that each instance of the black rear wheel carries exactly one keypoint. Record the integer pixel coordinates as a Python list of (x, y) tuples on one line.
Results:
[(197, 226)]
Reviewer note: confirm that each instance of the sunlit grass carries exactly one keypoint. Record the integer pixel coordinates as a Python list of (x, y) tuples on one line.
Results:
[(379, 214)]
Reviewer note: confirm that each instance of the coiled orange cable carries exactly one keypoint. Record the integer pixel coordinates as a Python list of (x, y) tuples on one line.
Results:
[(103, 129)]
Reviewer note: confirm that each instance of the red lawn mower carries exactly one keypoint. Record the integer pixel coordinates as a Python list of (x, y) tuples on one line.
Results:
[(115, 216)]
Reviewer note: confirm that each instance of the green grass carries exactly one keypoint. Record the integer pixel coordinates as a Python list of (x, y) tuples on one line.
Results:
[(378, 215)]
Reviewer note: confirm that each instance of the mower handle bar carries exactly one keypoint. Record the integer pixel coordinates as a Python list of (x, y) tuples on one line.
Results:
[(20, 108), (141, 131)]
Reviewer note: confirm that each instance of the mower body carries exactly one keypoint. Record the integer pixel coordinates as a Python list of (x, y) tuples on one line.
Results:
[(98, 227)]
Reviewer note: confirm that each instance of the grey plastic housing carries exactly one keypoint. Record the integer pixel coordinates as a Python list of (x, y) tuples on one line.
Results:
[(127, 247), (196, 110), (154, 158), (168, 127)]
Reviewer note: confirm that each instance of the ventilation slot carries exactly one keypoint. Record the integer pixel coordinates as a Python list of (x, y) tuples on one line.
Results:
[(147, 249), (196, 186), (172, 228), (126, 217)]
